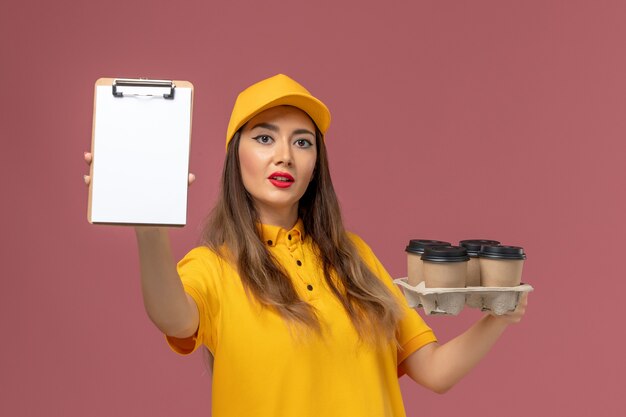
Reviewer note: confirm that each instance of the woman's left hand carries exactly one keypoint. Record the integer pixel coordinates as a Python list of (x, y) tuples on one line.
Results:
[(516, 315)]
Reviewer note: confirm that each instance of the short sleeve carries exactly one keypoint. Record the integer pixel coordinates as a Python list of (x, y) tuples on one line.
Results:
[(198, 271), (412, 332)]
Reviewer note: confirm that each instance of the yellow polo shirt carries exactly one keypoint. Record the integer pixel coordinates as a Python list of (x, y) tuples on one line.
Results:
[(260, 369)]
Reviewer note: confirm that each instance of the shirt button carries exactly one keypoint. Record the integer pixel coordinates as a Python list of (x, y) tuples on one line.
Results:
[(299, 263), (269, 242), (309, 287)]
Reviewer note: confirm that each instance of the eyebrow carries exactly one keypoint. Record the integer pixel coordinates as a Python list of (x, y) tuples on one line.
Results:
[(275, 128), (267, 126), (303, 131)]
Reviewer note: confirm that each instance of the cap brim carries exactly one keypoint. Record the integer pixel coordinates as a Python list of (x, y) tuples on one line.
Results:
[(316, 110)]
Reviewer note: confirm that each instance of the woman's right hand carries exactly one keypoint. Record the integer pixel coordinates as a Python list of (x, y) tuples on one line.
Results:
[(87, 178)]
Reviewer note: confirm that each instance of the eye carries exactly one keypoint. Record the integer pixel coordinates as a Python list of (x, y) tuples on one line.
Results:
[(263, 139), (303, 143)]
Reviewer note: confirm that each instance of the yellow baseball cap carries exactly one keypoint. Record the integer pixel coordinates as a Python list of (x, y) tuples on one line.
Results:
[(278, 90)]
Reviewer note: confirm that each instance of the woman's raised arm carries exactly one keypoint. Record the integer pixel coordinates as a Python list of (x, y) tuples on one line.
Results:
[(168, 306)]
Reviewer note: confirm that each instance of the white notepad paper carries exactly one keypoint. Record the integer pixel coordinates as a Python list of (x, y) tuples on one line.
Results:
[(140, 150)]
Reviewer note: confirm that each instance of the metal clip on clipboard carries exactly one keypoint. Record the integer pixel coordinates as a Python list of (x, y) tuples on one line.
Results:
[(143, 87)]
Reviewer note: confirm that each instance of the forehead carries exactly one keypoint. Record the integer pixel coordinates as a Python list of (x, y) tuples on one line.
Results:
[(283, 115)]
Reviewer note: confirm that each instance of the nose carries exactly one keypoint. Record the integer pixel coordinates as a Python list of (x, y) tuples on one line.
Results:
[(283, 154)]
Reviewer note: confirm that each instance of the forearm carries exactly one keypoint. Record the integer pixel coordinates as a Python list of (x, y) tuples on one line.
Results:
[(165, 300), (456, 358), (440, 367)]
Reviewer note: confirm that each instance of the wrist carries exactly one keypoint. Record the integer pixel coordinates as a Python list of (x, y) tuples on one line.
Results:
[(150, 231), (497, 321)]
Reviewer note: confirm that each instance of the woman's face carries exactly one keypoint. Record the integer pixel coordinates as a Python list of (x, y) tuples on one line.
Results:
[(277, 156)]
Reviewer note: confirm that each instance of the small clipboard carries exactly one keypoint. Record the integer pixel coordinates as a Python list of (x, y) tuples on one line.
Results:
[(140, 146)]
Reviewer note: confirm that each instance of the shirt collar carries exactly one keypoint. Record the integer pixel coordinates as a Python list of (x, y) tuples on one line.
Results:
[(271, 234)]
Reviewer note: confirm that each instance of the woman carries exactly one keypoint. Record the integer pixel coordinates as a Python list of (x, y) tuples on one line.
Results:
[(300, 316)]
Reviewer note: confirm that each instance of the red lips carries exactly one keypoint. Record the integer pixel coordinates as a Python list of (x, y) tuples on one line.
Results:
[(281, 179)]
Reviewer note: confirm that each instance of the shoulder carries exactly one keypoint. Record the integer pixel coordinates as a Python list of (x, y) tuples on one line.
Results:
[(363, 248), (367, 255), (205, 273), (202, 257), (200, 253)]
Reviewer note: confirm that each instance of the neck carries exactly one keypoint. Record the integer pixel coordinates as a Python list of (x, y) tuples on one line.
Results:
[(283, 217)]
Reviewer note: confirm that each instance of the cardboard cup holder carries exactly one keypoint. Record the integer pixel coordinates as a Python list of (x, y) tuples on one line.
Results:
[(498, 300)]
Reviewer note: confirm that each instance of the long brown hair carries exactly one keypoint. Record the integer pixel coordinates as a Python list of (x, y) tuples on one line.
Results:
[(231, 232)]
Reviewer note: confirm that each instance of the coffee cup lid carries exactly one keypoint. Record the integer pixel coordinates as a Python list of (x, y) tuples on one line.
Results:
[(473, 245), (502, 252), (445, 254), (418, 245)]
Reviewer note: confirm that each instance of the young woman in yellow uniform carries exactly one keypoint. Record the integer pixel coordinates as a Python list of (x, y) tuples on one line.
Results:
[(299, 315)]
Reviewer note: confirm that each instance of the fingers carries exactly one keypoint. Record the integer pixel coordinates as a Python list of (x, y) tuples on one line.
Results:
[(87, 179), (88, 158), (515, 316), (523, 301), (521, 305)]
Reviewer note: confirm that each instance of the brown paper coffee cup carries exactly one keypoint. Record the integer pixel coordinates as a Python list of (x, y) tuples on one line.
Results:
[(445, 275), (473, 273), (473, 247), (445, 266), (415, 269), (501, 266), (501, 272), (414, 250)]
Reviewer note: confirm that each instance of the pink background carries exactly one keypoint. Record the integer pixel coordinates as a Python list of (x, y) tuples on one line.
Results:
[(451, 120)]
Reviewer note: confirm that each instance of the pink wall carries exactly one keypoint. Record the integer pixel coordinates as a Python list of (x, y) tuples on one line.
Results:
[(451, 120)]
